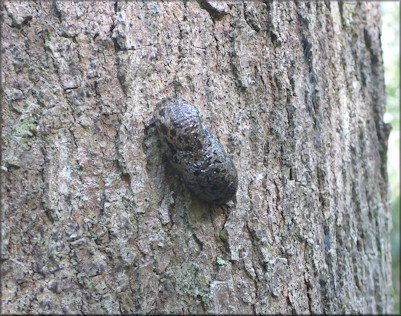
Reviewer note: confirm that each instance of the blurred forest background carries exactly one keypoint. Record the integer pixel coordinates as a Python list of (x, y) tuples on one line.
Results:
[(391, 56)]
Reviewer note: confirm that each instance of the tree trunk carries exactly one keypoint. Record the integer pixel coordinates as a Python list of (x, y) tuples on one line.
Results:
[(94, 220)]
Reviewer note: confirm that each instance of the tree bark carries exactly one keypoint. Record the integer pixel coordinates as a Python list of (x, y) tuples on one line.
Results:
[(95, 221)]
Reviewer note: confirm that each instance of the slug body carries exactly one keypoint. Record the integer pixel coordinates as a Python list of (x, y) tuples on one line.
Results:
[(194, 152)]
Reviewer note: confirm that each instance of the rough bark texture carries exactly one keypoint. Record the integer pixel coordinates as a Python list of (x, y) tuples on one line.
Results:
[(94, 221)]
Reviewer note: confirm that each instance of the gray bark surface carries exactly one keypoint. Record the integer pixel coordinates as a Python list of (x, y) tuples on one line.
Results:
[(94, 221)]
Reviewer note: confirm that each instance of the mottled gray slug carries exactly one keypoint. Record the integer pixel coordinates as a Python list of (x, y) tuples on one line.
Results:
[(194, 152)]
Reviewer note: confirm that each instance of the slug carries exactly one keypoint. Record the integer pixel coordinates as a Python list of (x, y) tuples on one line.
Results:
[(194, 152)]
